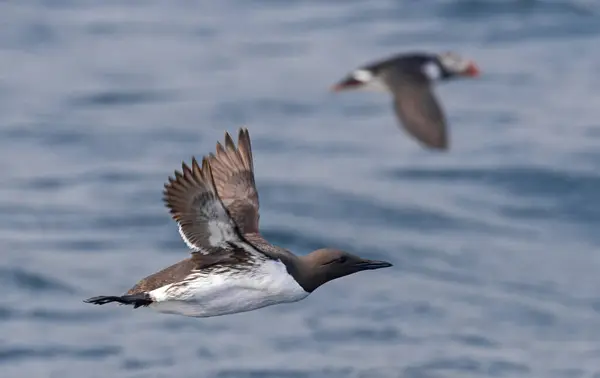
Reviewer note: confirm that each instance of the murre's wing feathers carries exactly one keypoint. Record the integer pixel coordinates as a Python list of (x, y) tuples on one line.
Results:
[(204, 223), (233, 172)]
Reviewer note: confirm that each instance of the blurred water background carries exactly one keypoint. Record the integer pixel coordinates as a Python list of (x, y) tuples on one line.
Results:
[(495, 244)]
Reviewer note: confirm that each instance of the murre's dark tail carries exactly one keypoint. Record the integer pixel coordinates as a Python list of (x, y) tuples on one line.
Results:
[(137, 300)]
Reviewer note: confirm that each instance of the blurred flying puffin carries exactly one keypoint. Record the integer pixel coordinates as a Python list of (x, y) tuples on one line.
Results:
[(409, 78)]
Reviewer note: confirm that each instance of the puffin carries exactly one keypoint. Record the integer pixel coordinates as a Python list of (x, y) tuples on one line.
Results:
[(410, 78)]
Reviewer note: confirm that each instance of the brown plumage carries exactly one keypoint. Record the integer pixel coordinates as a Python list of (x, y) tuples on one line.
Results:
[(173, 273), (217, 210), (233, 173), (188, 197)]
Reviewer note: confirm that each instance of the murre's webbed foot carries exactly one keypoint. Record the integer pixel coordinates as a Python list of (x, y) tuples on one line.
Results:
[(136, 300), (103, 299)]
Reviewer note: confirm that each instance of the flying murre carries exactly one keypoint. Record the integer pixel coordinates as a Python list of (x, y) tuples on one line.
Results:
[(232, 268), (409, 78)]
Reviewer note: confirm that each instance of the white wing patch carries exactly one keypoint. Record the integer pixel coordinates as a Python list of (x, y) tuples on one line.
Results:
[(220, 232), (432, 71), (203, 221), (362, 75), (219, 228)]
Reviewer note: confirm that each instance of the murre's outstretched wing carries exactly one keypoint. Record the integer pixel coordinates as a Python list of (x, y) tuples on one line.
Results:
[(204, 223), (233, 173)]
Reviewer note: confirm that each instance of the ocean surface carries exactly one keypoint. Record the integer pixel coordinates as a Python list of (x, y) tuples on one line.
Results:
[(495, 244)]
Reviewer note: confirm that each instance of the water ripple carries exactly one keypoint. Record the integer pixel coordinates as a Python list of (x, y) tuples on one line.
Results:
[(15, 353), (279, 373), (120, 98), (33, 282), (494, 243)]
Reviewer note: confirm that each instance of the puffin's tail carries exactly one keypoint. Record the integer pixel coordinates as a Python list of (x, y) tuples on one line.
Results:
[(136, 300)]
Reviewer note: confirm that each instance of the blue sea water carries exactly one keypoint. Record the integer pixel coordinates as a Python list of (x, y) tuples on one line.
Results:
[(494, 244)]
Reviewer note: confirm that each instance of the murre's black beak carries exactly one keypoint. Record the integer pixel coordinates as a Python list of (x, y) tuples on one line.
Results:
[(372, 264), (345, 84)]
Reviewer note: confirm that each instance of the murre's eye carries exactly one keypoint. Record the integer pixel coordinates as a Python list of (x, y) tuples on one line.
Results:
[(342, 259)]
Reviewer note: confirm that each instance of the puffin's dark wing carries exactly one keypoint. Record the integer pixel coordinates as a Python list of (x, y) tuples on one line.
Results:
[(419, 112)]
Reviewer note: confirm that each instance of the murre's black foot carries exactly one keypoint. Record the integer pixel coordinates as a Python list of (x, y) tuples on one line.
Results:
[(136, 300), (102, 300)]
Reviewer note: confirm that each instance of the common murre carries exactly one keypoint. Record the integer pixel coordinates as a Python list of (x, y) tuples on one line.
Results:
[(232, 268), (408, 77)]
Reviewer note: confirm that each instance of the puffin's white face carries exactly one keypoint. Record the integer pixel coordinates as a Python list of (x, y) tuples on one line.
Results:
[(454, 64)]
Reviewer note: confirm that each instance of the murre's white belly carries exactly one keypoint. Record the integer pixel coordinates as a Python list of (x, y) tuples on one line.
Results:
[(220, 294)]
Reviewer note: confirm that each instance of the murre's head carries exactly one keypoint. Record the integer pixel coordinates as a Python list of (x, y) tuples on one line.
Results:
[(411, 67), (324, 265)]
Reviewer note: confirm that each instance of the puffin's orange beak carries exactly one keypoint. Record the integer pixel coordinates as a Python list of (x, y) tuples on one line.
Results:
[(348, 83), (472, 70)]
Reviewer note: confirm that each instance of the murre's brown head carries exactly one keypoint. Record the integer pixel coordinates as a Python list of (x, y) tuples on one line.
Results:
[(324, 265)]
